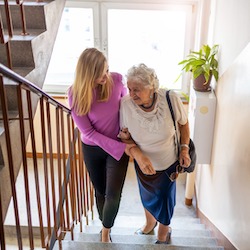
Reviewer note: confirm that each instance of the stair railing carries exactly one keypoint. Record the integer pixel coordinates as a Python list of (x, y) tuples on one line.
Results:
[(6, 38), (63, 195), (23, 17)]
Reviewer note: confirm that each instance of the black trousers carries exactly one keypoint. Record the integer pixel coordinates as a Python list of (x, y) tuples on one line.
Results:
[(108, 176)]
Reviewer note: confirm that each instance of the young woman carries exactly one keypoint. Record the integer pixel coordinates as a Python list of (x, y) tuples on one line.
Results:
[(94, 99)]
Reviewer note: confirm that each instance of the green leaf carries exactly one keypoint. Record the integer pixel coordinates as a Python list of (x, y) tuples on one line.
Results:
[(201, 62), (215, 74), (197, 72)]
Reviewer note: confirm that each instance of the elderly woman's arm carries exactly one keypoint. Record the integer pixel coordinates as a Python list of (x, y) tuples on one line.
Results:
[(135, 152), (184, 158), (142, 160)]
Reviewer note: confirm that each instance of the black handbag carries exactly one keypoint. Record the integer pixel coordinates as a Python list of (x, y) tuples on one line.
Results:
[(192, 152)]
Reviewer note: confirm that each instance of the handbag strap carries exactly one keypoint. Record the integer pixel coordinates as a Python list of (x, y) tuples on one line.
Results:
[(173, 118), (171, 108)]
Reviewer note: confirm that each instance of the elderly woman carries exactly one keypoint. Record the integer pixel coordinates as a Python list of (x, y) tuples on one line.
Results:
[(146, 120)]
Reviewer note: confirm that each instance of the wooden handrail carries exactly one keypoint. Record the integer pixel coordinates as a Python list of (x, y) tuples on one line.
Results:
[(70, 200)]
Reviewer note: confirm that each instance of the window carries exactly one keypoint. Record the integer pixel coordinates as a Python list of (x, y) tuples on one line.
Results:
[(76, 32), (157, 35)]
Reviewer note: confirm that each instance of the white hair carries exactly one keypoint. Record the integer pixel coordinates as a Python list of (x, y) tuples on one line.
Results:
[(144, 75)]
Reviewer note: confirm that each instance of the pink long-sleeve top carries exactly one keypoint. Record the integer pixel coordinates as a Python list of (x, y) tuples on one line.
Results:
[(100, 126)]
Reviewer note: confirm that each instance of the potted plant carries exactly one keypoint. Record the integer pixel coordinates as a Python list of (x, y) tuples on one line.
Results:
[(203, 65)]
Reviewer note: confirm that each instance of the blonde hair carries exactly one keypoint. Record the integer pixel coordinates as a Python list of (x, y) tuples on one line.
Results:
[(90, 66), (142, 74)]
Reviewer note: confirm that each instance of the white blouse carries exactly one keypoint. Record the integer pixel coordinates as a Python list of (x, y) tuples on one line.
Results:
[(154, 131)]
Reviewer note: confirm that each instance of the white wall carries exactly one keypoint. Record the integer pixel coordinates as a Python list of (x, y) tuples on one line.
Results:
[(231, 29), (223, 187)]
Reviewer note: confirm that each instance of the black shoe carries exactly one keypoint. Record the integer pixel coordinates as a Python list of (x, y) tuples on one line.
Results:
[(140, 232), (167, 239)]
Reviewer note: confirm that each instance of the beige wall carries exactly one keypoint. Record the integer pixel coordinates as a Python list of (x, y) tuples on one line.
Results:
[(223, 187)]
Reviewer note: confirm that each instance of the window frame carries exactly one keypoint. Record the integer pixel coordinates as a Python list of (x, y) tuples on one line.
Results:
[(100, 10), (186, 5)]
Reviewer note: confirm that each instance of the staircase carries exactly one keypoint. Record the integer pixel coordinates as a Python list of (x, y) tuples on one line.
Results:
[(188, 232), (30, 56)]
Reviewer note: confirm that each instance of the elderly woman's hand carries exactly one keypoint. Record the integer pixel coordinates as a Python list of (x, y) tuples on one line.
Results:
[(184, 157), (143, 161)]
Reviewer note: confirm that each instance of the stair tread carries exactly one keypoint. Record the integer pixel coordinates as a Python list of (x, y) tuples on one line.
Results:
[(188, 233), (116, 246), (17, 34), (23, 71), (35, 3), (130, 231), (147, 239), (137, 221), (12, 114), (28, 2)]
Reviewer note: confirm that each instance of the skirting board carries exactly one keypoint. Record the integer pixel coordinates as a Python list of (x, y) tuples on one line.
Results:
[(221, 239), (215, 232)]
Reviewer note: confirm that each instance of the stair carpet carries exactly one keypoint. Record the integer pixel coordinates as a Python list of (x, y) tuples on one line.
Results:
[(187, 230), (187, 233)]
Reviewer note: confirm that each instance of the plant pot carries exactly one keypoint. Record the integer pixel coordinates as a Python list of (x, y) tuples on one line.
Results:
[(198, 83)]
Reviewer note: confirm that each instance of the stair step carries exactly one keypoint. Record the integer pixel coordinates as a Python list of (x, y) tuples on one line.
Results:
[(23, 71), (18, 36), (21, 52), (131, 231), (34, 14), (188, 233), (135, 222), (116, 246), (147, 239)]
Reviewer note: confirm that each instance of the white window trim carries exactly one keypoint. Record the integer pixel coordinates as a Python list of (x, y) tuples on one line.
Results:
[(100, 9), (105, 6), (95, 6)]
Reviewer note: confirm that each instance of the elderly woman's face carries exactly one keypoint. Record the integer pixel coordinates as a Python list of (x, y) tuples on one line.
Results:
[(139, 93)]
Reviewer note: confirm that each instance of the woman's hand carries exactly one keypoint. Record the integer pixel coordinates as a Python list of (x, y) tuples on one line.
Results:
[(184, 157), (124, 134), (143, 161)]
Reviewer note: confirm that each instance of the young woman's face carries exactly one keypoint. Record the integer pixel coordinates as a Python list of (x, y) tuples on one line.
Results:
[(103, 78), (139, 93)]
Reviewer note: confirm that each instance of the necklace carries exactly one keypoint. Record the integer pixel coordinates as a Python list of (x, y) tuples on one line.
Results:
[(151, 105)]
